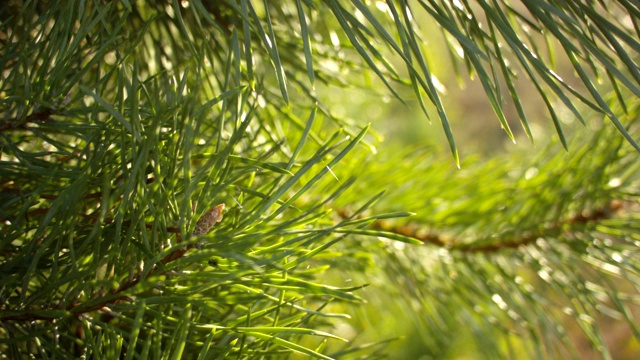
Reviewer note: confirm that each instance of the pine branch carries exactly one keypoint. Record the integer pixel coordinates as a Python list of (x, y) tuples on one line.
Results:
[(44, 115), (567, 226)]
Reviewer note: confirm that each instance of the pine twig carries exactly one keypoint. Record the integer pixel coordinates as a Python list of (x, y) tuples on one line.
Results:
[(413, 230), (203, 226), (40, 116)]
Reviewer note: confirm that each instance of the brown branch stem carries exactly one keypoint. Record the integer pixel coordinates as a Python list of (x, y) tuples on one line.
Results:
[(413, 230), (112, 298), (14, 124)]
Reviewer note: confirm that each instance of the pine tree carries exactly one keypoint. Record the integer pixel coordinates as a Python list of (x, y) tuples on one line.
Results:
[(199, 179)]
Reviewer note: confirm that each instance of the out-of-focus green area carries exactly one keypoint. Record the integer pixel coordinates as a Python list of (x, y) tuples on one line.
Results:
[(390, 314)]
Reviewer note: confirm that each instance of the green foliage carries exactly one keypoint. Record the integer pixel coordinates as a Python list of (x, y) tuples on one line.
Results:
[(123, 123), (520, 253)]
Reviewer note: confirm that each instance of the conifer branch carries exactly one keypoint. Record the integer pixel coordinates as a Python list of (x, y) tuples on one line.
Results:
[(41, 116), (203, 226), (414, 230)]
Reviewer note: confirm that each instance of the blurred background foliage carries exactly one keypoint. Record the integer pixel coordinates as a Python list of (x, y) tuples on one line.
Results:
[(123, 122)]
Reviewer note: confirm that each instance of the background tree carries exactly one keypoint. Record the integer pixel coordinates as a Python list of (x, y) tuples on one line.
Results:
[(125, 126)]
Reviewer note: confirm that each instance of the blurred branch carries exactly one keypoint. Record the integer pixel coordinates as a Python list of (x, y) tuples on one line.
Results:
[(416, 231), (15, 124)]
